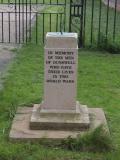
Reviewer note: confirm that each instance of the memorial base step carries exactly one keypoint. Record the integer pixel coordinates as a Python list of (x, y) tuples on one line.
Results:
[(20, 129), (60, 120)]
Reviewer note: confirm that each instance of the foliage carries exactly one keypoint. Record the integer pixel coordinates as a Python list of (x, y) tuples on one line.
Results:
[(97, 140), (108, 45)]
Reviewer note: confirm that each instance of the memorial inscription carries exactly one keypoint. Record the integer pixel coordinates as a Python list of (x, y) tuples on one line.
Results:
[(60, 66)]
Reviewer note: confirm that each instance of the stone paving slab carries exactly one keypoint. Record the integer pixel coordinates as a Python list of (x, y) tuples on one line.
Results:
[(52, 120), (20, 130), (112, 4), (15, 26)]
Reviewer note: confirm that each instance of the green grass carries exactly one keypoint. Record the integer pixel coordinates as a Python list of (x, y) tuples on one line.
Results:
[(98, 140), (98, 86)]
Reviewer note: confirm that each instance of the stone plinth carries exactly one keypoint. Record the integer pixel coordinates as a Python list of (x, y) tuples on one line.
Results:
[(60, 120), (59, 110), (59, 115), (20, 130)]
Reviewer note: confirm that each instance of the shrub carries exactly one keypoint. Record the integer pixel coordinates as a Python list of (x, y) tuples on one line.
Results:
[(108, 45), (97, 140)]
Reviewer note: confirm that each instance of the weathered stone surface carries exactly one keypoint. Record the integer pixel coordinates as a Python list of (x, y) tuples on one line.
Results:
[(58, 116), (20, 128), (58, 40), (60, 68), (53, 120), (112, 4)]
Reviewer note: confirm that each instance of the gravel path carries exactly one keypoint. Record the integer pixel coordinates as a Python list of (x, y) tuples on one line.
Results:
[(112, 4), (15, 24), (12, 23)]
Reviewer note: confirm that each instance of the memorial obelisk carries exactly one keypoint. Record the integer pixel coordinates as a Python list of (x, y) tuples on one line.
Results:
[(59, 109), (59, 115)]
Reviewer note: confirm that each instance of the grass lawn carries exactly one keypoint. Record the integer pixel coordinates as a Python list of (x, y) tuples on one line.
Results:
[(98, 86)]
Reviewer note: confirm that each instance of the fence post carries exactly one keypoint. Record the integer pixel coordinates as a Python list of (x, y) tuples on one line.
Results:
[(70, 19), (76, 11)]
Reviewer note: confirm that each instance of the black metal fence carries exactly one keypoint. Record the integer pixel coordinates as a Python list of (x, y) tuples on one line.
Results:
[(101, 22), (96, 21), (27, 21), (76, 19)]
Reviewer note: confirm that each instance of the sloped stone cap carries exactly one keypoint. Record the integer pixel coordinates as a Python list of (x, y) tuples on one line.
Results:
[(58, 40)]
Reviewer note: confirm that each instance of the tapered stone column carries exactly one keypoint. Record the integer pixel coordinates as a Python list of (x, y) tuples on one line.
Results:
[(59, 109), (59, 115), (61, 56)]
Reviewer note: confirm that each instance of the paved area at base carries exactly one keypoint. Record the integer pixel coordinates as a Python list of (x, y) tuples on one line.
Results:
[(112, 4), (20, 127), (16, 23)]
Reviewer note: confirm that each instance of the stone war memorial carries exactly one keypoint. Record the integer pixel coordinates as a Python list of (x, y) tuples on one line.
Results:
[(59, 115)]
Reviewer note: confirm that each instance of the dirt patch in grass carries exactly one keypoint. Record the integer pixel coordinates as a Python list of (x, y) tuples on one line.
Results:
[(6, 56)]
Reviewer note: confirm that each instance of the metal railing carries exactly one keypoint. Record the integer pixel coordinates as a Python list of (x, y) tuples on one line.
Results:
[(27, 21), (101, 22), (96, 21)]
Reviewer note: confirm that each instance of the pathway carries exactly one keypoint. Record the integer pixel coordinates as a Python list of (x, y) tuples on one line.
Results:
[(6, 56), (112, 3), (16, 23), (12, 29)]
